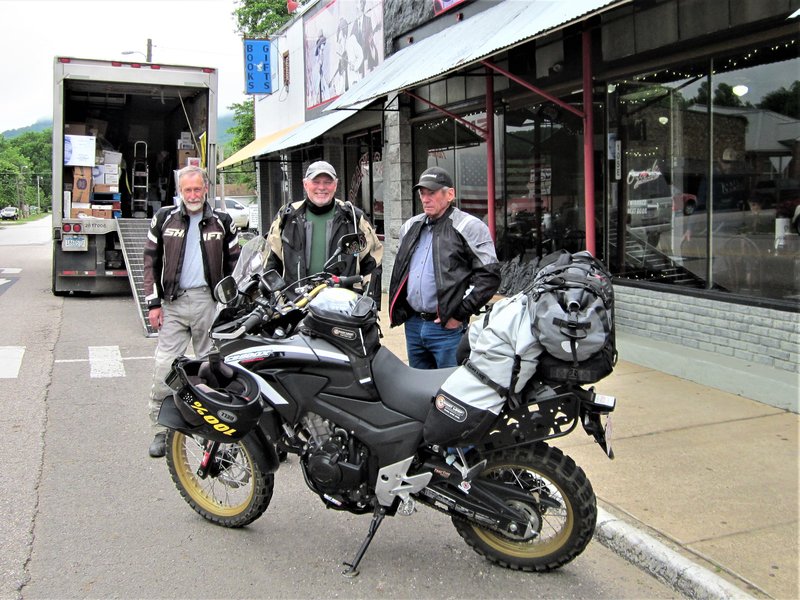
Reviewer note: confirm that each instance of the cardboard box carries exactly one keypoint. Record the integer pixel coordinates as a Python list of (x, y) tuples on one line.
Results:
[(111, 169), (98, 174), (80, 212), (76, 129), (79, 150), (186, 136), (104, 188), (67, 206), (111, 158), (184, 145), (111, 179), (184, 156), (81, 184), (102, 213), (97, 127)]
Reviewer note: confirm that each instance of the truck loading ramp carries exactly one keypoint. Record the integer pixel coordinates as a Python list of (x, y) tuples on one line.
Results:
[(132, 236)]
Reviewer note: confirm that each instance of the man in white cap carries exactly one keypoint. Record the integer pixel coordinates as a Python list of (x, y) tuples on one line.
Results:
[(305, 234)]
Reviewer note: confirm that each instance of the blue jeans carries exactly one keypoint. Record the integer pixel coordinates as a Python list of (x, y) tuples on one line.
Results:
[(431, 346)]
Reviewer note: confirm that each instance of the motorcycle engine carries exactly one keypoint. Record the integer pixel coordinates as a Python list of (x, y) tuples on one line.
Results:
[(335, 465)]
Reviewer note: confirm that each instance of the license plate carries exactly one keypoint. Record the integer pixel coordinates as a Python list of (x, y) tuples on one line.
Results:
[(608, 432), (73, 242)]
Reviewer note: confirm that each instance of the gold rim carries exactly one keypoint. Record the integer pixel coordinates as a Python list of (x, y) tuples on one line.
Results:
[(213, 494), (555, 525)]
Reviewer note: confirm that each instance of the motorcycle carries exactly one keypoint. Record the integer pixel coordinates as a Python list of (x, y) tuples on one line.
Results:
[(300, 371)]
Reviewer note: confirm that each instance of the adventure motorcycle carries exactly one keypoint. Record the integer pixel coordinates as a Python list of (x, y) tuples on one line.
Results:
[(301, 371)]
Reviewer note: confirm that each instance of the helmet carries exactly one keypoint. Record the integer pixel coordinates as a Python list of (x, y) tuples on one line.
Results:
[(220, 402)]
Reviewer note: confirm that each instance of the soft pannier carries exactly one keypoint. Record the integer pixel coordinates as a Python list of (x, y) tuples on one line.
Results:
[(559, 329), (573, 318)]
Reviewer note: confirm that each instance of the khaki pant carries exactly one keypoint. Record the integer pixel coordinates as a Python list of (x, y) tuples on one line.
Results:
[(186, 319)]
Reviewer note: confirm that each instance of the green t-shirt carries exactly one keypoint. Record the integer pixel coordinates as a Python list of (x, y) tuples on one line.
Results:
[(319, 238)]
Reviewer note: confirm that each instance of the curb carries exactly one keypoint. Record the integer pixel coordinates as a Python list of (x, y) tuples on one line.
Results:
[(666, 565)]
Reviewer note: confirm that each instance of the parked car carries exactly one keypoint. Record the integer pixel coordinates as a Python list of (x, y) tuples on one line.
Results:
[(9, 213), (683, 202), (238, 211)]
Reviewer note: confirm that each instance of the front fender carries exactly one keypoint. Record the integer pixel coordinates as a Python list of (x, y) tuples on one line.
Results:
[(265, 433)]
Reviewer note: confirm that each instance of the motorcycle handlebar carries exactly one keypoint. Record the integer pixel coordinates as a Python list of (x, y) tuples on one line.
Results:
[(253, 319), (348, 281)]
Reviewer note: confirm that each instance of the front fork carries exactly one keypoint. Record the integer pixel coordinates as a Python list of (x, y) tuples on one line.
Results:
[(209, 453)]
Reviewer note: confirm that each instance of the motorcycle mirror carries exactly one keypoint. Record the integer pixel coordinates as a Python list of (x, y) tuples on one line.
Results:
[(225, 291)]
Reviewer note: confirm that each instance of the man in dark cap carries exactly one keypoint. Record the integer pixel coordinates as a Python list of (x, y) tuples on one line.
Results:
[(305, 234), (446, 269)]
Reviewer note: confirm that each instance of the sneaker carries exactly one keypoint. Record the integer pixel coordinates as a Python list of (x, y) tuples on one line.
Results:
[(158, 447)]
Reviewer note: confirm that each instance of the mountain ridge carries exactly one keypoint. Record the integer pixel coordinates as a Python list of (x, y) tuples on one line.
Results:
[(224, 123)]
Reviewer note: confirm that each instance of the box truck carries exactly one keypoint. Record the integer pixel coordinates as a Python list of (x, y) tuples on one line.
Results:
[(121, 130)]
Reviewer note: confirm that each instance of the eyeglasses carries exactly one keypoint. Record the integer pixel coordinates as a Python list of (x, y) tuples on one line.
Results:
[(201, 190)]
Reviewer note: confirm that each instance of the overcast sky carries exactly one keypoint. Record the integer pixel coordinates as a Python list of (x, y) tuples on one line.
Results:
[(32, 32)]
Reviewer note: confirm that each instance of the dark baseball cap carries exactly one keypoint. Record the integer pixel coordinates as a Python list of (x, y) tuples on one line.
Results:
[(434, 179), (318, 168)]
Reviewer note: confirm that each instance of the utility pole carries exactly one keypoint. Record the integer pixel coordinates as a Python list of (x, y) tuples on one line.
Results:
[(149, 55)]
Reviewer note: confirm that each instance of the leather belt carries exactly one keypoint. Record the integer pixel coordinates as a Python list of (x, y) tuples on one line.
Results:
[(427, 316)]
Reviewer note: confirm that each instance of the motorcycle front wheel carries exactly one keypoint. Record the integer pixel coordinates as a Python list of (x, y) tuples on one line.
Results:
[(562, 510), (237, 489)]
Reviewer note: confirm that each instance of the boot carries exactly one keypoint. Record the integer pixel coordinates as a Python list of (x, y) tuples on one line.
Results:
[(158, 447)]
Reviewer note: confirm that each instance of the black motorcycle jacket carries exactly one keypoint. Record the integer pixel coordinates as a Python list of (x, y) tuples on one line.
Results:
[(289, 241), (464, 261), (164, 250)]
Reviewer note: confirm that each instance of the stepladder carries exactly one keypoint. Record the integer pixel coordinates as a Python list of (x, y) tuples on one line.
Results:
[(141, 180)]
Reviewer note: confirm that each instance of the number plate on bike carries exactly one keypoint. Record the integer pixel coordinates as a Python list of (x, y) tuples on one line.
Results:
[(607, 433)]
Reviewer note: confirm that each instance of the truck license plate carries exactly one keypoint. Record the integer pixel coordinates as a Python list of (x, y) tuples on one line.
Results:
[(74, 243)]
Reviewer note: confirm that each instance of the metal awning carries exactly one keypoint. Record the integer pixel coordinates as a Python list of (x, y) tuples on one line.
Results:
[(290, 137), (256, 147), (494, 30), (313, 129)]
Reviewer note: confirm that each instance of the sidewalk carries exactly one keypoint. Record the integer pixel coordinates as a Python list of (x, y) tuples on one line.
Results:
[(703, 492)]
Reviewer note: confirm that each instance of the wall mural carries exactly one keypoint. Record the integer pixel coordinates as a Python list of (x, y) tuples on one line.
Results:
[(343, 42)]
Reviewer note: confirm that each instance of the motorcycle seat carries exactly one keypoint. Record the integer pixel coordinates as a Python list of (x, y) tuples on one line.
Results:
[(404, 389)]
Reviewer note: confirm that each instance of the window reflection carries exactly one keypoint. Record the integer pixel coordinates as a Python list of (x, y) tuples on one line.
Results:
[(705, 191), (543, 183)]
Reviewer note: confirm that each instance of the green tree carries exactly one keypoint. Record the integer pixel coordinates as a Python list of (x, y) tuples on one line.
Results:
[(244, 123), (24, 163), (783, 101), (723, 95), (260, 18), (255, 19)]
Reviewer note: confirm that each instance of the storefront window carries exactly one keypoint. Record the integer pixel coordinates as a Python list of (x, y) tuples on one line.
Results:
[(363, 182), (543, 183), (704, 171), (462, 151)]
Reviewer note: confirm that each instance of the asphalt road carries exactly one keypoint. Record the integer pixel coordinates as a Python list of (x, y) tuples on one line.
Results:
[(87, 514)]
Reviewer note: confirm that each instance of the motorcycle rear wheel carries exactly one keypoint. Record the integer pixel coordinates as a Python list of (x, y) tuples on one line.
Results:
[(238, 488), (563, 531)]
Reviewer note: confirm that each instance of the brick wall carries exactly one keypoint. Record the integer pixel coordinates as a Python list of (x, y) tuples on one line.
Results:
[(756, 335)]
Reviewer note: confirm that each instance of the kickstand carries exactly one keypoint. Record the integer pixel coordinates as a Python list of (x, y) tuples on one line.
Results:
[(377, 518)]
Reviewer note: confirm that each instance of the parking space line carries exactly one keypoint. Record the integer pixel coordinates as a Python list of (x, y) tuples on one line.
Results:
[(10, 361), (105, 361)]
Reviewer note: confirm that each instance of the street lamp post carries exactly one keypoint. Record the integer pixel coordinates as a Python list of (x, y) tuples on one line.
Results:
[(20, 190), (147, 56)]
